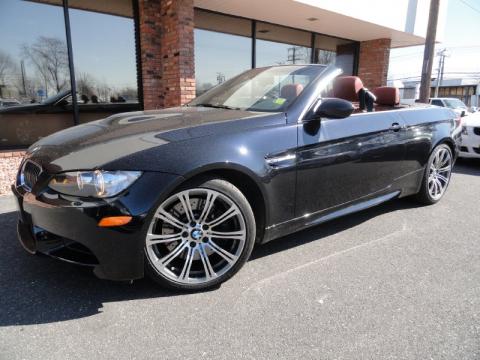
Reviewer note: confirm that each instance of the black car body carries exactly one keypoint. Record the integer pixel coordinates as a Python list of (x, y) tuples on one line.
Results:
[(294, 173)]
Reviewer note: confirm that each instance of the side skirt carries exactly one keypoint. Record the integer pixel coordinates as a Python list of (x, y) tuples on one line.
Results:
[(291, 226)]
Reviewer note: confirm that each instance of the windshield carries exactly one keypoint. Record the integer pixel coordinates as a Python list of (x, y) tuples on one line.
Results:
[(264, 89), (54, 98), (455, 103)]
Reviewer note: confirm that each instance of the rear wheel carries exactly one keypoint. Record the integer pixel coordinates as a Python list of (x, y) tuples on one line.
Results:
[(200, 236), (437, 175)]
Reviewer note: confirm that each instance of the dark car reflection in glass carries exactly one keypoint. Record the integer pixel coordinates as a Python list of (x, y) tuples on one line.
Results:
[(184, 194)]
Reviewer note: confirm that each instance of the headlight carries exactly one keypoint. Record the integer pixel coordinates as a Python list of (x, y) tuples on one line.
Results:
[(96, 183)]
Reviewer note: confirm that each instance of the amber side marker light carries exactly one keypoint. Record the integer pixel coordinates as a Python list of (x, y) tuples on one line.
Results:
[(111, 221)]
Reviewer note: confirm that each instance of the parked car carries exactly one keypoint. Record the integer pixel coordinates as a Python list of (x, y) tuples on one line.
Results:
[(8, 102), (37, 120), (453, 103), (471, 136), (185, 193)]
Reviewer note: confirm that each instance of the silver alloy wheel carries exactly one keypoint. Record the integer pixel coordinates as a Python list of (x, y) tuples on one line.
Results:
[(196, 236), (439, 173)]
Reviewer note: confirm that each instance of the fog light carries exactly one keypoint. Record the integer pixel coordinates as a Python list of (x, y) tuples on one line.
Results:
[(111, 221)]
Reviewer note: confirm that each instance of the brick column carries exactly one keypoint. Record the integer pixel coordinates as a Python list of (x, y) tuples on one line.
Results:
[(167, 52), (373, 62)]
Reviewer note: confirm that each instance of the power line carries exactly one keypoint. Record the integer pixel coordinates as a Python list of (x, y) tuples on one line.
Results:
[(470, 6), (473, 74)]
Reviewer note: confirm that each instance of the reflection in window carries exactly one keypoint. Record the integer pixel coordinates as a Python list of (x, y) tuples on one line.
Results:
[(330, 50), (33, 67), (104, 57), (278, 45), (222, 48), (33, 58)]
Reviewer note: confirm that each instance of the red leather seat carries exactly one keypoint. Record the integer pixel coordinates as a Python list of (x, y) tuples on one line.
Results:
[(290, 91), (347, 88), (387, 95)]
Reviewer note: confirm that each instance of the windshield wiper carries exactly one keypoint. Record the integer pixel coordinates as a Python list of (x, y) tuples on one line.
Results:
[(219, 106)]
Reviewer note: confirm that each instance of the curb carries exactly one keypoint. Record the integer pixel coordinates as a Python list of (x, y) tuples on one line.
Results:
[(7, 204)]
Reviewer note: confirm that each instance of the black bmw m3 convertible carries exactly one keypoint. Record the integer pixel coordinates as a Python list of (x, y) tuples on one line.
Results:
[(184, 194)]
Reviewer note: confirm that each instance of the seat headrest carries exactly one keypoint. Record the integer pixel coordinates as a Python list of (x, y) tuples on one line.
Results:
[(387, 95), (347, 87), (291, 91)]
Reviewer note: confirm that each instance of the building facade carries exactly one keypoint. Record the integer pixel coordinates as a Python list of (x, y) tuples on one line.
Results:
[(125, 55), (464, 89)]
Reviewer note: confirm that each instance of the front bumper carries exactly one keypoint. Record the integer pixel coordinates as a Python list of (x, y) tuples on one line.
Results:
[(65, 227), (470, 145)]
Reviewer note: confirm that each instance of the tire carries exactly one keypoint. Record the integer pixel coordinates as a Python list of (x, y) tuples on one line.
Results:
[(200, 236), (437, 175)]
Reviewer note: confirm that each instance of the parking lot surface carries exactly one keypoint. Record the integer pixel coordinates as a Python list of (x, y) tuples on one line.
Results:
[(398, 281)]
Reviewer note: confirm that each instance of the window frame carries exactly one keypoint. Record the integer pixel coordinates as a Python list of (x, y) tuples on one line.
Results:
[(73, 83), (313, 35)]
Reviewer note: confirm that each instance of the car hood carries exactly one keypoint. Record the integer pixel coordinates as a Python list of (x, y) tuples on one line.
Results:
[(97, 143), (20, 108)]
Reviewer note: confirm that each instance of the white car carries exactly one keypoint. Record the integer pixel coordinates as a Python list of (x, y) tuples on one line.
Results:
[(453, 103), (9, 102), (470, 147)]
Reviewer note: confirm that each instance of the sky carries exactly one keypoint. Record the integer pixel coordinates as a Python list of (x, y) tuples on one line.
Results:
[(103, 45), (461, 37)]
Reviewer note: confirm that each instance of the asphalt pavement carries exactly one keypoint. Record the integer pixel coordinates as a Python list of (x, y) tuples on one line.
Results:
[(398, 281)]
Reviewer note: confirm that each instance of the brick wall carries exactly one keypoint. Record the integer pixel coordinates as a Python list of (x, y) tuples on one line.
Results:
[(9, 163), (373, 62), (167, 52)]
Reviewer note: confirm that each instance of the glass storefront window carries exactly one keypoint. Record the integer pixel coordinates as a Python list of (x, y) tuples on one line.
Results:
[(103, 44), (35, 94), (33, 71), (278, 45), (222, 48), (331, 50)]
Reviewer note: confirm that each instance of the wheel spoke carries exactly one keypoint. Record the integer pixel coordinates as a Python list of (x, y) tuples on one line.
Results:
[(185, 274), (185, 201), (169, 219), (436, 159), (211, 197), (209, 273), (232, 211), (445, 168), (172, 255), (153, 239), (439, 186), (434, 188), (445, 159), (236, 235), (442, 178), (229, 257)]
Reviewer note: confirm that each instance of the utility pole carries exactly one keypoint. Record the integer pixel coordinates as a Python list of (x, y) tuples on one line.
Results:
[(441, 65), (22, 69), (428, 52)]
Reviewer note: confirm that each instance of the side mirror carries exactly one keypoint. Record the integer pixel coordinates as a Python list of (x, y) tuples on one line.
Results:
[(332, 108), (463, 113)]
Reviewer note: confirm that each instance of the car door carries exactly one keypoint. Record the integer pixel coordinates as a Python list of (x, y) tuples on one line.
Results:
[(343, 160)]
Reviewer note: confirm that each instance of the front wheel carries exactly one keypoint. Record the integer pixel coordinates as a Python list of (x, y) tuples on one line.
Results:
[(200, 236), (437, 175)]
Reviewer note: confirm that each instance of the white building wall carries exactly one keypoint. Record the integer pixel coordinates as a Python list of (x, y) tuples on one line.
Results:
[(409, 16)]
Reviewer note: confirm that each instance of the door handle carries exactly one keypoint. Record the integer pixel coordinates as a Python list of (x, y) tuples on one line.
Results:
[(395, 127)]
